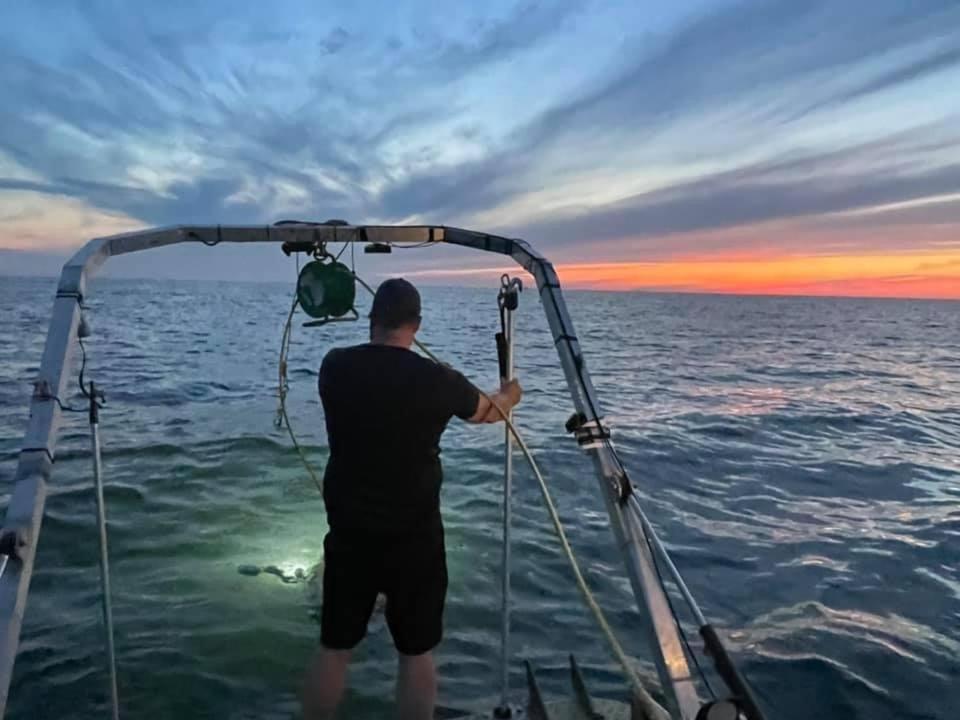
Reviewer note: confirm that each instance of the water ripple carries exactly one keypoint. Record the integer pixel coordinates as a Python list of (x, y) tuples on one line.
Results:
[(800, 458)]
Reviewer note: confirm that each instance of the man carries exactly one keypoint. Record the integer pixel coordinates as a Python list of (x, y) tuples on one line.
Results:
[(386, 408)]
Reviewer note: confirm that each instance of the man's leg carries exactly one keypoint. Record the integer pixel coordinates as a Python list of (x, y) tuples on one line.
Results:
[(324, 684), (349, 594), (416, 686), (416, 594)]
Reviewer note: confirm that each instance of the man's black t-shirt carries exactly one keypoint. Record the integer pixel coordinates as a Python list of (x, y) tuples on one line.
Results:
[(386, 408)]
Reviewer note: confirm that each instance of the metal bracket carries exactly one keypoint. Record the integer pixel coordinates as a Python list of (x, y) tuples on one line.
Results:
[(581, 694), (592, 433), (297, 246), (510, 289), (41, 390), (12, 540), (536, 709), (586, 431), (328, 320)]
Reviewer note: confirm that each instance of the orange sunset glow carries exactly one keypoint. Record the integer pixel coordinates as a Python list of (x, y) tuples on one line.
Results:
[(921, 275), (932, 275)]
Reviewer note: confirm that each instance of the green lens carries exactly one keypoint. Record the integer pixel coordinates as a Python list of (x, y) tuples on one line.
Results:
[(326, 289)]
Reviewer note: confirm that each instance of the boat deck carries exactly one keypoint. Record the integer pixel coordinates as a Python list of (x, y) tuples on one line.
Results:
[(562, 710)]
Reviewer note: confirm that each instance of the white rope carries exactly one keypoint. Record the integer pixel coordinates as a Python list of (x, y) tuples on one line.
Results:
[(650, 706), (282, 388)]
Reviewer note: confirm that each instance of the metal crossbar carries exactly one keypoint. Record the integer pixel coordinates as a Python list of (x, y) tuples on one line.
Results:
[(24, 514)]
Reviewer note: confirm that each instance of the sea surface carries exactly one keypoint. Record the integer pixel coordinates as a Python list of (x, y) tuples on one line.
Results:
[(800, 458)]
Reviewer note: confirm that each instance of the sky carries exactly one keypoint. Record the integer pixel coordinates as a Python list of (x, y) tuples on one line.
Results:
[(749, 146)]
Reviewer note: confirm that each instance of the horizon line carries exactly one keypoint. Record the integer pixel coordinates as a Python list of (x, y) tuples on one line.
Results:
[(564, 288)]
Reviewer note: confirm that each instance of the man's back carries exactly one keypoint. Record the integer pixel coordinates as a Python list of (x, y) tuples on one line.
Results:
[(386, 408)]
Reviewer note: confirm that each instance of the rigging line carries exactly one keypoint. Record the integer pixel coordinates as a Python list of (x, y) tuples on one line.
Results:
[(650, 705), (673, 611), (83, 367), (282, 417), (64, 408), (715, 648), (653, 540)]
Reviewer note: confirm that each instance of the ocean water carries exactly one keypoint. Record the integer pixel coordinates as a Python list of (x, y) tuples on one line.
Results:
[(800, 457)]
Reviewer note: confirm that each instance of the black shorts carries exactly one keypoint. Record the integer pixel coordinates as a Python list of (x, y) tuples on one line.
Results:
[(410, 571)]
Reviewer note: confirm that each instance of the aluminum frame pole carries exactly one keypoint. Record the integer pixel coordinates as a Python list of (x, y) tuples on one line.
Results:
[(104, 554), (507, 523)]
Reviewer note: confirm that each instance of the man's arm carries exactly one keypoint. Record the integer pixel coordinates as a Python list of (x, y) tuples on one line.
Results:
[(505, 398)]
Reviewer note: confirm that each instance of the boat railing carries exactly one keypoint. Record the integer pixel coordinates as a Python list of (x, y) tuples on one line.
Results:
[(644, 555)]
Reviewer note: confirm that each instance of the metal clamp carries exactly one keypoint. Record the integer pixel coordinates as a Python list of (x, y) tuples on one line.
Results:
[(509, 297), (586, 432), (11, 542)]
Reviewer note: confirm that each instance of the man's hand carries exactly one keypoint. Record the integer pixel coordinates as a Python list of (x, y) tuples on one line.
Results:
[(512, 390), (505, 398)]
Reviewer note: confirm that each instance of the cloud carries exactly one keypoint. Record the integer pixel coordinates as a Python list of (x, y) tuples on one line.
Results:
[(497, 40), (934, 61), (761, 51), (203, 120), (335, 41), (809, 185), (32, 220), (730, 80), (746, 114), (924, 268), (936, 211)]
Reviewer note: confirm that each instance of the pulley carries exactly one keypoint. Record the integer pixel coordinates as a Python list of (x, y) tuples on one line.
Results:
[(508, 300)]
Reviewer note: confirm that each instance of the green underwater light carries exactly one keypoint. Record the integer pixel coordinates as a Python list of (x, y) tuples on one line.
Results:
[(326, 289)]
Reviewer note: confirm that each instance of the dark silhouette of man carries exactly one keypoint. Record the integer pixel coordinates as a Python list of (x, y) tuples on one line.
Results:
[(385, 408)]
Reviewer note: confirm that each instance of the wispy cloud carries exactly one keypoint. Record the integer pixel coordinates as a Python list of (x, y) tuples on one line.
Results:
[(720, 91), (559, 121), (903, 167)]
